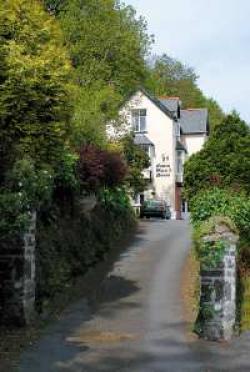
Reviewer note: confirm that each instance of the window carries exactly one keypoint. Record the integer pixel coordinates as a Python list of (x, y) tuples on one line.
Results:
[(177, 129), (139, 120), (179, 162)]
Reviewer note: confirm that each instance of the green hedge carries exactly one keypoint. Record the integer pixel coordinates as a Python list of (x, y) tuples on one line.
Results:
[(222, 202), (210, 253)]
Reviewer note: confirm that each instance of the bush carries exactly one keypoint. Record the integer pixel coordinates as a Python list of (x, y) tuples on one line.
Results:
[(13, 215), (210, 253), (70, 243), (224, 160), (222, 202), (99, 168), (26, 190)]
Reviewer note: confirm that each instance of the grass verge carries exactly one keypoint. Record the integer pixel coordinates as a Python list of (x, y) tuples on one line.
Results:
[(190, 292), (245, 302)]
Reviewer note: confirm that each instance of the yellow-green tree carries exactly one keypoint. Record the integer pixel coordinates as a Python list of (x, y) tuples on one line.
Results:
[(168, 76), (108, 44), (34, 84)]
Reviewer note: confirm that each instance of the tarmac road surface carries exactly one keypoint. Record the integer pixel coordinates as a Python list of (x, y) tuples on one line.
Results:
[(137, 325)]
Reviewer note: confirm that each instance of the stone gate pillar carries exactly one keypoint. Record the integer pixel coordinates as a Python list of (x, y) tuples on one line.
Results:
[(17, 278), (217, 315)]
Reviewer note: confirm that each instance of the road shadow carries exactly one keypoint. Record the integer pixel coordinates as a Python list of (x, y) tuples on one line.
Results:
[(64, 349), (54, 352), (106, 297)]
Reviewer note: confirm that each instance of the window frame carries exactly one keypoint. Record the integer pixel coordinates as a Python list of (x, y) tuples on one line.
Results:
[(178, 129), (179, 162), (136, 115)]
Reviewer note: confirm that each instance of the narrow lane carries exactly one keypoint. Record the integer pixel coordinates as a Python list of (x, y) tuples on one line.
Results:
[(137, 325)]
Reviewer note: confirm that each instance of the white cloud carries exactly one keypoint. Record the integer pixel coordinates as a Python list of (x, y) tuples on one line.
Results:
[(212, 36)]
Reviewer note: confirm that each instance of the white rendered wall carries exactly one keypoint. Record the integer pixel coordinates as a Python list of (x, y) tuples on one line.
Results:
[(194, 143), (160, 131)]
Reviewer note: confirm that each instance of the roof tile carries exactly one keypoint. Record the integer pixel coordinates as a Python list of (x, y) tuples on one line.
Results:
[(194, 121)]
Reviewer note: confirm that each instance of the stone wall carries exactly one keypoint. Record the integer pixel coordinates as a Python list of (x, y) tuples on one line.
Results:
[(218, 290), (17, 278)]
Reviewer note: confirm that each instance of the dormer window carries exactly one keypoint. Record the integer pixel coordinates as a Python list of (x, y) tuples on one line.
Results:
[(139, 120)]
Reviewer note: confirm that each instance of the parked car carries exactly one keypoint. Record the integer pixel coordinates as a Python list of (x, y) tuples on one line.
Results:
[(155, 208)]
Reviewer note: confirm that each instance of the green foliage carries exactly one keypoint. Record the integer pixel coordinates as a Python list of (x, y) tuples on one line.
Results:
[(65, 171), (116, 200), (34, 185), (35, 81), (68, 245), (137, 160), (107, 45), (54, 6), (14, 215), (94, 106), (224, 160), (207, 227), (170, 77), (210, 253), (26, 189), (219, 202), (244, 301)]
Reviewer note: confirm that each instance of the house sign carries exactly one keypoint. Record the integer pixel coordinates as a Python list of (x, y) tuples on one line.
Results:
[(163, 170)]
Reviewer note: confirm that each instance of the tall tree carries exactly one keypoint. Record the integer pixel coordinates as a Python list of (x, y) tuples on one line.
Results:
[(168, 76), (224, 161), (35, 83), (108, 45)]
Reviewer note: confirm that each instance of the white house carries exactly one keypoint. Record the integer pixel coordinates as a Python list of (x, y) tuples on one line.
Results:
[(169, 135), (194, 128)]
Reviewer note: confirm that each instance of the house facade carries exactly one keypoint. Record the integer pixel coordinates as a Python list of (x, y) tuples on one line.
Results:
[(169, 135)]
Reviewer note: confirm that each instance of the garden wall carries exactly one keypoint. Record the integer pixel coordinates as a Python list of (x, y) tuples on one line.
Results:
[(74, 243), (59, 244), (217, 253), (17, 277)]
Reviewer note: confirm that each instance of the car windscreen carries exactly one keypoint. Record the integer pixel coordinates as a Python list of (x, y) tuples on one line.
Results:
[(153, 203)]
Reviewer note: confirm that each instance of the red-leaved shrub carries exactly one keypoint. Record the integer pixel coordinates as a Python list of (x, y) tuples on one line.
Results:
[(98, 168)]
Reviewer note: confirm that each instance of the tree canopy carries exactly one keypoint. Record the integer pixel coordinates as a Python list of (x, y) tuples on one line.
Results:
[(224, 161), (170, 77), (35, 76), (108, 45)]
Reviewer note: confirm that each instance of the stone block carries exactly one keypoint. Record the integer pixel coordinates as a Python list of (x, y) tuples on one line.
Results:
[(218, 291), (17, 277)]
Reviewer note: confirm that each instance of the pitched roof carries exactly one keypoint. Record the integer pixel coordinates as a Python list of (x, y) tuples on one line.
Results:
[(194, 121), (172, 103), (158, 103), (141, 139)]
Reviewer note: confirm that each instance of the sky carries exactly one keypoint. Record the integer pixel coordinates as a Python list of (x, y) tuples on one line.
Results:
[(213, 36)]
